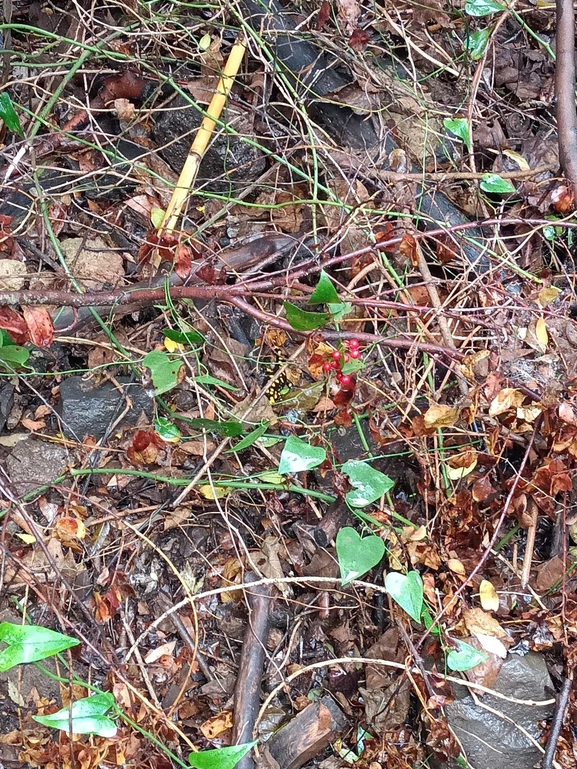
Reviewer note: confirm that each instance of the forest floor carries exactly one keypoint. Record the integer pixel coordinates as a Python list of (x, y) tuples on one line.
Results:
[(300, 469)]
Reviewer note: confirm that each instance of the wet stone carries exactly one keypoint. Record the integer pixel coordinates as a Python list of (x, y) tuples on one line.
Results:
[(34, 463), (6, 401), (491, 742), (89, 409)]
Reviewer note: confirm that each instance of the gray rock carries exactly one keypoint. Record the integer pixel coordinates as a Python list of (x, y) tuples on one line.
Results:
[(35, 463), (6, 401), (491, 742), (87, 409), (228, 161)]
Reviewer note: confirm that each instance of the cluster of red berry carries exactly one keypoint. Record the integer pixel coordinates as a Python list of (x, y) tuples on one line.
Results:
[(351, 350)]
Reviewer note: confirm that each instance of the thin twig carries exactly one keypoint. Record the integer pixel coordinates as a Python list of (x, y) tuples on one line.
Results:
[(530, 544), (557, 724), (565, 91)]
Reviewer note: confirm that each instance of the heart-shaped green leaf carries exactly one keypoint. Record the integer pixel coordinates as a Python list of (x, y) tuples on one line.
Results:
[(357, 555), (465, 657), (407, 591), (164, 370), (301, 320), (370, 484), (496, 184), (324, 292), (87, 716), (459, 126), (298, 456), (221, 758), (483, 7)]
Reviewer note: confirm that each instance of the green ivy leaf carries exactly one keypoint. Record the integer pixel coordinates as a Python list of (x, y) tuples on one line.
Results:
[(191, 337), (207, 379), (483, 7), (87, 716), (9, 116), (298, 456), (231, 428), (164, 370), (369, 484), (167, 430), (301, 320), (30, 643), (476, 43), (14, 355), (465, 657), (249, 439), (357, 555), (339, 310), (459, 127), (495, 184), (407, 591), (221, 758), (324, 292)]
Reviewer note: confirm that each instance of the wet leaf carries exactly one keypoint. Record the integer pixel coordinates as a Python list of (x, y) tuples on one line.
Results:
[(191, 337), (354, 365), (213, 492), (369, 484), (483, 7), (249, 439), (357, 555), (298, 456), (13, 355), (476, 43), (30, 643), (507, 398), (324, 292), (465, 657), (495, 184), (164, 370), (39, 325), (8, 114), (407, 591), (301, 320), (222, 758), (88, 716), (459, 126), (231, 428)]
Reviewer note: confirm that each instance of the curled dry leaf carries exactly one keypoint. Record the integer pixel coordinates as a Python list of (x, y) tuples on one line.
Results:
[(508, 398), (438, 415)]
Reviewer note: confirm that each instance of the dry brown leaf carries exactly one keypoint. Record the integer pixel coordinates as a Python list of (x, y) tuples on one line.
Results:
[(217, 724), (457, 567), (478, 623), (507, 398), (548, 295), (438, 415)]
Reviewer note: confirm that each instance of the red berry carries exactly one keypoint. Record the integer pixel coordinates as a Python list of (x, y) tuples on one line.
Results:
[(347, 357), (339, 377), (355, 353), (354, 344), (336, 355), (327, 366), (335, 365), (345, 380)]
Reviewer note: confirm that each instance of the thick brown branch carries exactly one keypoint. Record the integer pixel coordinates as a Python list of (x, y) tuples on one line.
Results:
[(565, 91)]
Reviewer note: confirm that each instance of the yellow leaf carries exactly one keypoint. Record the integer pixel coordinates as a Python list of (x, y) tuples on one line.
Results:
[(28, 539), (519, 159), (440, 416), (456, 567), (541, 332), (488, 596), (204, 42), (171, 345), (548, 295), (213, 492)]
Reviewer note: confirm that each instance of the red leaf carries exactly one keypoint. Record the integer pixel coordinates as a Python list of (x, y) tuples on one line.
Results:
[(324, 13), (144, 449), (182, 262), (39, 325), (14, 324), (358, 40)]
